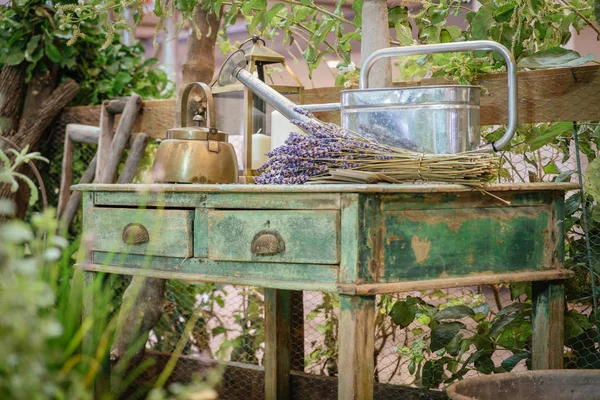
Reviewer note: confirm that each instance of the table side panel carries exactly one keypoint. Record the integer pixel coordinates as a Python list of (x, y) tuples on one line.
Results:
[(429, 244)]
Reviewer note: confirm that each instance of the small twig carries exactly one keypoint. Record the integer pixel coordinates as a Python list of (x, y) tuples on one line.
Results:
[(583, 17)]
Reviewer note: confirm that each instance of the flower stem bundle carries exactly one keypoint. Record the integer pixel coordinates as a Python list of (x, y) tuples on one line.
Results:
[(327, 153)]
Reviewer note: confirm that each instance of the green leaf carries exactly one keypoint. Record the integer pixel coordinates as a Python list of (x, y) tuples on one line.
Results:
[(52, 52), (592, 179), (357, 7), (572, 204), (403, 313), (32, 46), (443, 334), (551, 168), (454, 312), (437, 15), (445, 36), (15, 57), (268, 17), (404, 33), (484, 364), (549, 135), (483, 19), (122, 79), (432, 375), (397, 14), (509, 363), (564, 176), (453, 348), (513, 308), (554, 57), (597, 10), (505, 11)]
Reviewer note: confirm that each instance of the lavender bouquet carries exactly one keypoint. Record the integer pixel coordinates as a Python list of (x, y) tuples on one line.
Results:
[(327, 153)]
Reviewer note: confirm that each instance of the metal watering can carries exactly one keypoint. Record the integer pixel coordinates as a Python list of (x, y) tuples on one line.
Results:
[(434, 119)]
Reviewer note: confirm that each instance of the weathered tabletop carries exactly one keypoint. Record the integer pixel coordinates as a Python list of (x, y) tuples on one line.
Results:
[(356, 240)]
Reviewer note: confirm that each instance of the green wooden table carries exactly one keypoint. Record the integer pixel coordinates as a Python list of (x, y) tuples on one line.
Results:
[(355, 240)]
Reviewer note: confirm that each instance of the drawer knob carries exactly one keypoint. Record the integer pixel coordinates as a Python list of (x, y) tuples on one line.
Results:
[(267, 243), (135, 234)]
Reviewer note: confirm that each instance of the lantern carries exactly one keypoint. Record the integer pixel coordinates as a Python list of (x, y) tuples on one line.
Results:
[(256, 116)]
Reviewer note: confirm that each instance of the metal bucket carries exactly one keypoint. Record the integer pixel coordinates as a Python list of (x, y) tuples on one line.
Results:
[(530, 385), (432, 119)]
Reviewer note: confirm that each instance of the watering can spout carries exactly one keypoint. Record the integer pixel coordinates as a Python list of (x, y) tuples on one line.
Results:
[(233, 70)]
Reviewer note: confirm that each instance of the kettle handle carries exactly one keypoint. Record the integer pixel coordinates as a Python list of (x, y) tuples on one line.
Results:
[(210, 104), (456, 47)]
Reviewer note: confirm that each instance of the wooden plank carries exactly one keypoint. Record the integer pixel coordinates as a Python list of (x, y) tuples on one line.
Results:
[(300, 274), (349, 237), (356, 337), (201, 233), (473, 199), (285, 201), (107, 122), (277, 359), (304, 236), (110, 165), (477, 279), (170, 231), (430, 244), (547, 324), (230, 279), (562, 94), (170, 190)]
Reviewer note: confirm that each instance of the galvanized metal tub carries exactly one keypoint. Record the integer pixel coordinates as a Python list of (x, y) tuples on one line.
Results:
[(530, 385), (433, 119)]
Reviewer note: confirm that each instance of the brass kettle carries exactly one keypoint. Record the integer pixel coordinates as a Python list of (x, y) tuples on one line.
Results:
[(196, 154)]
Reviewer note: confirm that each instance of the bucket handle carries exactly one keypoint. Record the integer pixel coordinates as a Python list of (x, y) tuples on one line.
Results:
[(458, 47), (210, 105)]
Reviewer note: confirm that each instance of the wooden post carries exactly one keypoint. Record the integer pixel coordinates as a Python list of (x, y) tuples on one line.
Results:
[(548, 324), (375, 38), (277, 344), (357, 336)]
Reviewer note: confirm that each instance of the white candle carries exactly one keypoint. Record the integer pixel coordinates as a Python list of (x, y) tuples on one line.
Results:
[(261, 145), (281, 127)]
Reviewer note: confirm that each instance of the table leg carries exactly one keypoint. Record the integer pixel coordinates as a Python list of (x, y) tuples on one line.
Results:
[(548, 324), (277, 344), (357, 335)]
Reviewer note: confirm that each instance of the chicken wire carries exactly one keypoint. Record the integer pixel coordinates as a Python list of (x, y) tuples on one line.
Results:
[(231, 323)]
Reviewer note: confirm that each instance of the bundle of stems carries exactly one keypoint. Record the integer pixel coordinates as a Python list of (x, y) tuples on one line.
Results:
[(327, 153)]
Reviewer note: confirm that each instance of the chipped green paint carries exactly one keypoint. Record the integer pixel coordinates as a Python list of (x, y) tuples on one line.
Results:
[(350, 237), (427, 244), (288, 201), (308, 236), (298, 273), (201, 233), (169, 231)]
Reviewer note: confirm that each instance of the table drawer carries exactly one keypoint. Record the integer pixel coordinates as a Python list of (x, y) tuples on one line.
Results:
[(274, 236), (136, 231)]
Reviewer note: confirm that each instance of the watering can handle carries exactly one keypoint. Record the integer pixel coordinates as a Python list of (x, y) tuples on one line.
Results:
[(456, 47), (210, 105)]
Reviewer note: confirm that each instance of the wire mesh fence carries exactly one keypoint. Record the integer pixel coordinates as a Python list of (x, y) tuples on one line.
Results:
[(492, 323)]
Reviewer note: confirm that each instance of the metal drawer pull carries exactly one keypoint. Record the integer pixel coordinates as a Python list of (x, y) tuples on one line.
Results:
[(135, 234), (267, 243)]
